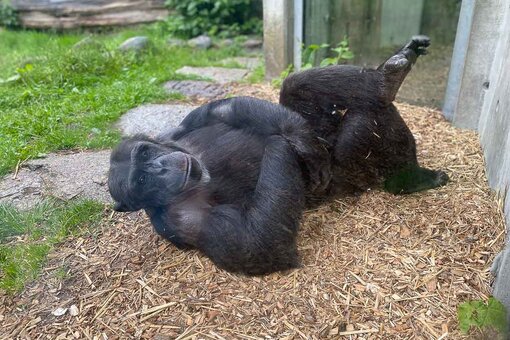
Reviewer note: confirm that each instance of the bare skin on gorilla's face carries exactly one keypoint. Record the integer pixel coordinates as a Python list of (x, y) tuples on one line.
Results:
[(151, 174)]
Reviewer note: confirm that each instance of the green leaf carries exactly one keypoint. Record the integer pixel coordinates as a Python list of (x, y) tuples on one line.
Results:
[(465, 314), (306, 67), (494, 314), (483, 316), (328, 61), (347, 55)]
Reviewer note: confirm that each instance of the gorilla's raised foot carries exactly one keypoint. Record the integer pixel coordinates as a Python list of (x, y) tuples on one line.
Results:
[(414, 178), (396, 68), (418, 44)]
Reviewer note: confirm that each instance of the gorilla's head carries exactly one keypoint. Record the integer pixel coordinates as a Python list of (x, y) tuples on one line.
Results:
[(144, 173)]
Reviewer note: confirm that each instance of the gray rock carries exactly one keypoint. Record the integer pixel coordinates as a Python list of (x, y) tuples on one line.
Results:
[(152, 119), (65, 176), (252, 44), (196, 88), (176, 42), (135, 44), (218, 74), (202, 42), (226, 43), (247, 62)]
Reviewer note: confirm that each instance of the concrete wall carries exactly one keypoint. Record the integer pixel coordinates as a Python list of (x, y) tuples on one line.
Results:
[(471, 63), (494, 128)]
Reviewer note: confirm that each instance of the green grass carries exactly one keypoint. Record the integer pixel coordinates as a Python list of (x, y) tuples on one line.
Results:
[(258, 74), (69, 97), (39, 230)]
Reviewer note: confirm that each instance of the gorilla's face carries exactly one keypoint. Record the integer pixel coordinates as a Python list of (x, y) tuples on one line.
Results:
[(146, 174)]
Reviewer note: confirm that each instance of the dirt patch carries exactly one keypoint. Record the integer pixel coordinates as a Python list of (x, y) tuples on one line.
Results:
[(376, 266)]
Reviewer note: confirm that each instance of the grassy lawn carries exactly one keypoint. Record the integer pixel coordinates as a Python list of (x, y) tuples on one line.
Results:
[(64, 97), (68, 97), (26, 237)]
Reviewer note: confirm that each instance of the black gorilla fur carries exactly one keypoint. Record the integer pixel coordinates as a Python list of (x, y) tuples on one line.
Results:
[(351, 108), (231, 180)]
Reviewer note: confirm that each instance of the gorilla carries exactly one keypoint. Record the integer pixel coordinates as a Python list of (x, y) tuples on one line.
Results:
[(230, 180), (351, 108)]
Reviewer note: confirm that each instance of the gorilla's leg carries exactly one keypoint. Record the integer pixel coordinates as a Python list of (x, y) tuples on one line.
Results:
[(414, 178), (396, 68)]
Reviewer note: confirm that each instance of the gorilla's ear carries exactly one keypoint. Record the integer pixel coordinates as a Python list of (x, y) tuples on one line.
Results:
[(120, 207)]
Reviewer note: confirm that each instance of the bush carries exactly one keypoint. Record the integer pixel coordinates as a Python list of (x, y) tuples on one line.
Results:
[(226, 17), (8, 16)]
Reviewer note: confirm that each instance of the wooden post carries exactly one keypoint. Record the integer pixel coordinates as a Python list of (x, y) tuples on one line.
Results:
[(278, 36), (317, 26)]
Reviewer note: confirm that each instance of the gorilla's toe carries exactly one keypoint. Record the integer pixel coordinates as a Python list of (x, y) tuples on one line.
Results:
[(420, 40), (441, 178)]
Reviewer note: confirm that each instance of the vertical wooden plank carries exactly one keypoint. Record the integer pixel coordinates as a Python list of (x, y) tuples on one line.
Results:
[(317, 24), (278, 38), (494, 127), (359, 21), (400, 19), (483, 38)]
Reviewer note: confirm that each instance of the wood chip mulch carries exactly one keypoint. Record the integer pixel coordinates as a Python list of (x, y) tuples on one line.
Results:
[(375, 266)]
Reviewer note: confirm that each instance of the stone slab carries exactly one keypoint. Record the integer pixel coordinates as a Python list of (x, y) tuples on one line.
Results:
[(197, 88), (64, 176), (220, 75), (246, 62), (152, 119)]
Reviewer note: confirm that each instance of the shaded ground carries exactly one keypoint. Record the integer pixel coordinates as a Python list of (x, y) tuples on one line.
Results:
[(376, 266), (426, 83)]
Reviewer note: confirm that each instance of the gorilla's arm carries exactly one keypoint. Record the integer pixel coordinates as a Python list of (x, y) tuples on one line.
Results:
[(260, 116), (260, 238), (267, 119), (256, 236)]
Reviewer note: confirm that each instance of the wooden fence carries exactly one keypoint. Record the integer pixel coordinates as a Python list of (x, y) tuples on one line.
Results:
[(66, 14), (372, 25)]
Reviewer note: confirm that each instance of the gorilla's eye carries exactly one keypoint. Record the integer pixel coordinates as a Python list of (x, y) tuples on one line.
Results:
[(145, 154), (141, 179)]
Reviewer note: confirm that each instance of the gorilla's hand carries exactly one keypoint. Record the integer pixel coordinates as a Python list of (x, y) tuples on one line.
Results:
[(314, 155)]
